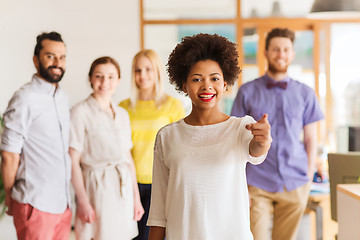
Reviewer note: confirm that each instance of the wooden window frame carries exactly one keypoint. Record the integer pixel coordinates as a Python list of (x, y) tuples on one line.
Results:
[(263, 25)]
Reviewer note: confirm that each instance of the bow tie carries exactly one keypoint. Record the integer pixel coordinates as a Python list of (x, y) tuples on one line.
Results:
[(271, 84)]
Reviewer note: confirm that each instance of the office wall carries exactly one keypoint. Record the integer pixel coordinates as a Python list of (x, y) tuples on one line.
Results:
[(90, 29)]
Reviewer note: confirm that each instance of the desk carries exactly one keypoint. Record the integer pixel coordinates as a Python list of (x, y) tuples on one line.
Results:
[(348, 211)]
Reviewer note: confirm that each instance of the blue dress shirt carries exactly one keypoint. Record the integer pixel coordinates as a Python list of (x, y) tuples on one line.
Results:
[(289, 110)]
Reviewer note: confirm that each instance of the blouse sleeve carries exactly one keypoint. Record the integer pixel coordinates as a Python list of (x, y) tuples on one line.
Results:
[(245, 139), (159, 186), (77, 129)]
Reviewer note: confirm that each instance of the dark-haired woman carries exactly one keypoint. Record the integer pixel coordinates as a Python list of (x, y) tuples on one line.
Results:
[(103, 172), (199, 184)]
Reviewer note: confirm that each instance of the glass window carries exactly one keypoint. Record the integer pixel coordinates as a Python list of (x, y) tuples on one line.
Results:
[(301, 68), (200, 9), (250, 70), (345, 74), (171, 34), (275, 8)]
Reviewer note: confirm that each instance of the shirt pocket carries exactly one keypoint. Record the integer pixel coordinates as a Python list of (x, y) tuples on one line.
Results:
[(294, 117)]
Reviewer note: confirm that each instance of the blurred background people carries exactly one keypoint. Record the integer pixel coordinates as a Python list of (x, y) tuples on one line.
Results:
[(149, 109), (280, 186), (36, 166), (107, 197)]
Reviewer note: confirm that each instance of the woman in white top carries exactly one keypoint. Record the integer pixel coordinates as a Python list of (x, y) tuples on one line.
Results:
[(103, 173), (199, 184)]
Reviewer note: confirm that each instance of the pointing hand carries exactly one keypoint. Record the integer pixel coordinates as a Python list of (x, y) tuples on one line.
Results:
[(261, 131)]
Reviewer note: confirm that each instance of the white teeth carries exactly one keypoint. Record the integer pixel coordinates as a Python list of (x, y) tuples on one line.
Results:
[(56, 70), (206, 96)]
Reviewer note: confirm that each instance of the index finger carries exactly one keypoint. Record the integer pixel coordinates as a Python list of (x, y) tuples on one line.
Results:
[(263, 119)]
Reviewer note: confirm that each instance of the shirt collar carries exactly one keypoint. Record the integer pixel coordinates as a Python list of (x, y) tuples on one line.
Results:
[(44, 85), (268, 78), (93, 104)]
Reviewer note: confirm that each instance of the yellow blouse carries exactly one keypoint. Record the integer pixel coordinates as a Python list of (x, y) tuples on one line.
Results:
[(146, 120)]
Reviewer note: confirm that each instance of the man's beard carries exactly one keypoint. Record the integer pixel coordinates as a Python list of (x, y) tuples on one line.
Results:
[(46, 73), (274, 69)]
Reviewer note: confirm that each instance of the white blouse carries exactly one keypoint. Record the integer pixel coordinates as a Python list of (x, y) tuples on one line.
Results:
[(104, 143), (199, 188)]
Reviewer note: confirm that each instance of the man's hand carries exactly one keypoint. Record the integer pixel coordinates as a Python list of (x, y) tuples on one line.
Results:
[(9, 167), (8, 203)]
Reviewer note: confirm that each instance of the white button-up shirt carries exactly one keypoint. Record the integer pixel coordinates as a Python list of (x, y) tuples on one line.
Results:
[(37, 127)]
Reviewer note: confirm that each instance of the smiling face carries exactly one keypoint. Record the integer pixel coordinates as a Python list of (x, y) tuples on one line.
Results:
[(205, 85), (279, 54), (145, 74), (104, 80), (50, 63)]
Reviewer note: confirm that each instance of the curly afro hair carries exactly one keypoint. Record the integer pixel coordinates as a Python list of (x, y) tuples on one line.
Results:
[(202, 47)]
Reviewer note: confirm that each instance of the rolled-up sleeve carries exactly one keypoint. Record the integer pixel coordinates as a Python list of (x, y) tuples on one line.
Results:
[(17, 119), (77, 129)]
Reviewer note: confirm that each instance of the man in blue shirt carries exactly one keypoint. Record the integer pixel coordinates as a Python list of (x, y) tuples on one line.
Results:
[(280, 186)]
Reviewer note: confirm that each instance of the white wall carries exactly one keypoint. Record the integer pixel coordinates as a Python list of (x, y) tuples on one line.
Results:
[(89, 28)]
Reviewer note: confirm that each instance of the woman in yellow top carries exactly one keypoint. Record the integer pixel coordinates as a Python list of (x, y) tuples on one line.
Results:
[(149, 109)]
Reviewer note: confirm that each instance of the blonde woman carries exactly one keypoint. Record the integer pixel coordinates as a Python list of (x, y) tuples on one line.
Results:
[(149, 109), (103, 172)]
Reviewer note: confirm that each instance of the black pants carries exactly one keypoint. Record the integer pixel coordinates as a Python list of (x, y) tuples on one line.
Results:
[(145, 196)]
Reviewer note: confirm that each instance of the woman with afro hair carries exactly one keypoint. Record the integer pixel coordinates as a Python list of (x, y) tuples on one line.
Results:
[(199, 185)]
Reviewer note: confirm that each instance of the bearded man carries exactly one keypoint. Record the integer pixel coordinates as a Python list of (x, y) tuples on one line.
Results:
[(279, 187), (36, 166)]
